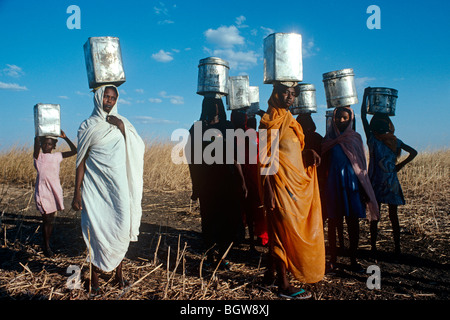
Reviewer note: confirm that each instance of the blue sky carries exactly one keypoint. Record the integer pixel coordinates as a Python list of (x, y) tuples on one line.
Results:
[(42, 60)]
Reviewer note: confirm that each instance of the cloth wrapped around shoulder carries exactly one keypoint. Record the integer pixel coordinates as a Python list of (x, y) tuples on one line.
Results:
[(112, 184), (352, 145), (295, 225)]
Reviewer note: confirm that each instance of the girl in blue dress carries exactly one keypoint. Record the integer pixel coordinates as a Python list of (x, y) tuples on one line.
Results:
[(347, 189), (384, 150)]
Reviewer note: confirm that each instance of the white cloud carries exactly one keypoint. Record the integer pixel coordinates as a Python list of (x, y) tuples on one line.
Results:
[(225, 37), (82, 93), (63, 97), (172, 98), (176, 100), (123, 101), (362, 82), (240, 60), (161, 9), (155, 100), (162, 56), (267, 31), (13, 71), (239, 22), (167, 21), (139, 90), (147, 120), (309, 49), (12, 86)]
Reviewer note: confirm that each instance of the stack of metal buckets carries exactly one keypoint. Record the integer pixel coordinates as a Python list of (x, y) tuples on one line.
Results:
[(214, 81)]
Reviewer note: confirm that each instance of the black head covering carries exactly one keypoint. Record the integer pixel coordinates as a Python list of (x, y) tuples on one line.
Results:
[(306, 122), (209, 109), (380, 123), (239, 119)]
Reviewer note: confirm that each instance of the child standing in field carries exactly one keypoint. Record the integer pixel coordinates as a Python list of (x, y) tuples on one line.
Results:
[(384, 150), (48, 193)]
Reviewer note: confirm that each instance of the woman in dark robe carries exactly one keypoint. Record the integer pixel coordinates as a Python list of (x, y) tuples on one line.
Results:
[(219, 185)]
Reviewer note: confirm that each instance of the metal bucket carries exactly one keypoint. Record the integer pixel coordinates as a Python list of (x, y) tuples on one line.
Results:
[(238, 93), (340, 88), (283, 57), (47, 119), (306, 100), (103, 61), (382, 100), (253, 97), (212, 76)]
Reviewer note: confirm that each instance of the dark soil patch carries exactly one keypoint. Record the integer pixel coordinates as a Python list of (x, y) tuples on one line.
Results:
[(167, 261)]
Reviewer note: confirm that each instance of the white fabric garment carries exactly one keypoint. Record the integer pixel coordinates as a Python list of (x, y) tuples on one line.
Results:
[(112, 186)]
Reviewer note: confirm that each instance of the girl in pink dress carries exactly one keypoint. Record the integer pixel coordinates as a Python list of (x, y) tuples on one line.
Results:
[(48, 192)]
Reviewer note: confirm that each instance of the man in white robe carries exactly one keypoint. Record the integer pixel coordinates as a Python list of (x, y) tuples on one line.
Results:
[(108, 183)]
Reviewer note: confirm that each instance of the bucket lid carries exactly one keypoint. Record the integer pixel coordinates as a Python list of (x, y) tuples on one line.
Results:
[(103, 38), (383, 90), (283, 34), (234, 78), (338, 74), (214, 60), (92, 40), (306, 87)]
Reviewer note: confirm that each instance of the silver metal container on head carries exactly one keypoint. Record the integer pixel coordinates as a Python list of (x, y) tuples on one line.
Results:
[(306, 100), (283, 57), (340, 88), (381, 100), (238, 93), (253, 96), (47, 119), (213, 77), (104, 61)]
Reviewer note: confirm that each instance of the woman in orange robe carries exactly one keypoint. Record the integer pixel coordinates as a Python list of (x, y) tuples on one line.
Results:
[(292, 199)]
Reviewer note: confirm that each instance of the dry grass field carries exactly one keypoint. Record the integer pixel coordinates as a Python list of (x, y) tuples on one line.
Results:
[(167, 261)]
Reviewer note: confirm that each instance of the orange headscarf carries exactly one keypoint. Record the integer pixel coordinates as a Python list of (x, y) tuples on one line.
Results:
[(295, 226)]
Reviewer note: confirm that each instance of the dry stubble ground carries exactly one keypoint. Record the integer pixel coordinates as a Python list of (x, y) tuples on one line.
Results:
[(167, 261)]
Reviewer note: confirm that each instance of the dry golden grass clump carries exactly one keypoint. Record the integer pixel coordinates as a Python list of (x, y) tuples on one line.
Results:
[(160, 173), (426, 187), (424, 179)]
